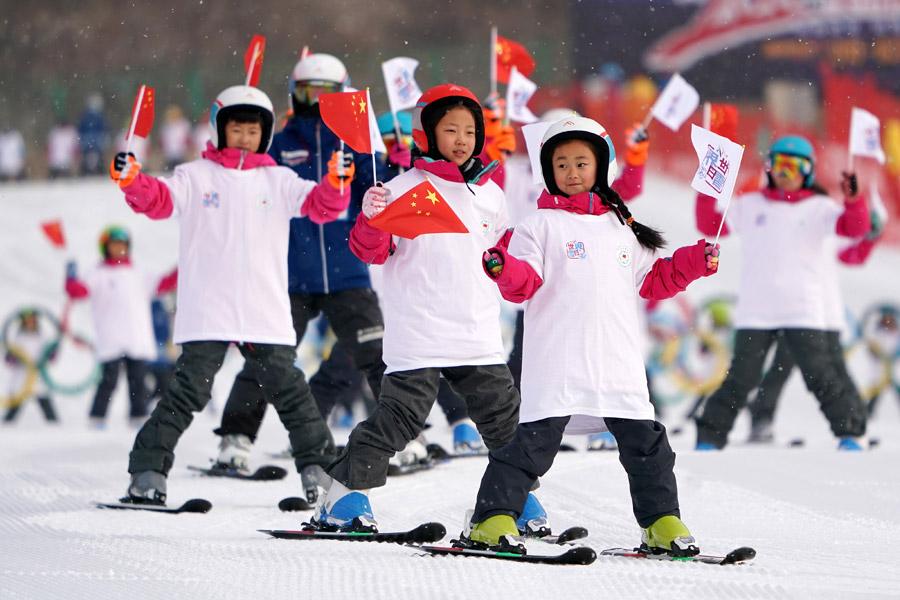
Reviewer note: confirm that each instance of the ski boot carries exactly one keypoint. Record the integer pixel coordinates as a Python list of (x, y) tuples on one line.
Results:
[(850, 444), (146, 487), (668, 535), (497, 533), (761, 433), (604, 440), (414, 457), (533, 521), (315, 482), (466, 439), (343, 509), (234, 453)]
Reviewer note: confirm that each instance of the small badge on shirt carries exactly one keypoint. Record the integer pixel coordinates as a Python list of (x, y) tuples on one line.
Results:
[(211, 200), (486, 227), (623, 256), (575, 250)]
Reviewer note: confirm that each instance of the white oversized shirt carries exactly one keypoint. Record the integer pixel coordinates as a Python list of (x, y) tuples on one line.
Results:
[(440, 310), (232, 255), (582, 349), (788, 276), (120, 298)]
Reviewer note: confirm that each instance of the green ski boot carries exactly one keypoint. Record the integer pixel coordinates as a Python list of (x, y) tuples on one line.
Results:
[(668, 535)]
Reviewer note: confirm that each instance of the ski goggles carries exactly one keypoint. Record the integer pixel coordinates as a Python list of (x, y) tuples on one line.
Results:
[(308, 92), (789, 165)]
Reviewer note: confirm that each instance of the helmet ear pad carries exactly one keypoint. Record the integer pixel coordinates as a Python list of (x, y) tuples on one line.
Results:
[(434, 112), (600, 151)]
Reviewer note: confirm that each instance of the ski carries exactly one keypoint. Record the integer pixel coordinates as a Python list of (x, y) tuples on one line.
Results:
[(581, 555), (423, 534), (294, 504), (264, 473), (738, 556), (195, 505), (569, 535), (417, 467)]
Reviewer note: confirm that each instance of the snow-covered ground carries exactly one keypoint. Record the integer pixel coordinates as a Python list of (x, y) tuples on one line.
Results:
[(824, 524)]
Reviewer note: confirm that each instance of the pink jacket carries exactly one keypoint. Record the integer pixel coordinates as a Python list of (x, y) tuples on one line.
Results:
[(150, 196), (853, 222), (518, 281)]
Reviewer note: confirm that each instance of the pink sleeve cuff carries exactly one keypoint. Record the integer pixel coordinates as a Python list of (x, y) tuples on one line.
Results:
[(168, 283), (150, 196), (370, 245), (854, 221), (325, 203), (75, 289), (630, 183), (669, 276), (517, 281)]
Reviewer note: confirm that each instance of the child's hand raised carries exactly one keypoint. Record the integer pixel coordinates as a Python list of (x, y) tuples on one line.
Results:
[(124, 168), (341, 169), (375, 200), (637, 145), (712, 258)]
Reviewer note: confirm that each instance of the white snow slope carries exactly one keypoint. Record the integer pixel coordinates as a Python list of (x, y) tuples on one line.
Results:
[(825, 524)]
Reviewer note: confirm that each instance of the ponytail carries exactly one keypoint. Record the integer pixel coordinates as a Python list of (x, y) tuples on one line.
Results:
[(646, 236)]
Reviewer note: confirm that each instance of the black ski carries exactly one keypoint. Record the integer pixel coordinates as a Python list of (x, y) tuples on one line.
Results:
[(738, 556), (569, 535), (264, 473), (195, 505), (294, 504), (581, 555), (423, 534)]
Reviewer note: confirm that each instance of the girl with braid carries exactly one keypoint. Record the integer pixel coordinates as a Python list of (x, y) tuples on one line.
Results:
[(583, 258)]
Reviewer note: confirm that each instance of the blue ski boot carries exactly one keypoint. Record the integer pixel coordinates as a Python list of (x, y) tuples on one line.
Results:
[(850, 444), (533, 521), (343, 509), (604, 440), (466, 439)]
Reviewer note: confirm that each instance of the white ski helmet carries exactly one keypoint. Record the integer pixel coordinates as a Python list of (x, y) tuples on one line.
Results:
[(578, 128), (555, 114), (241, 98), (319, 69)]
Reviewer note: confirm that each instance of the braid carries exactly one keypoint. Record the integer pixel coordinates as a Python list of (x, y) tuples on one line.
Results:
[(646, 236)]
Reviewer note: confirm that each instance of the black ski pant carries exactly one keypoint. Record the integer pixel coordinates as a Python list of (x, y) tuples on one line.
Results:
[(405, 401), (644, 451), (515, 356), (45, 402), (817, 354), (356, 319), (135, 371), (280, 381)]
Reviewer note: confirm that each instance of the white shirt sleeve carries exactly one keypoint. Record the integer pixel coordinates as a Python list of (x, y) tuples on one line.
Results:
[(827, 214), (524, 245), (180, 189), (644, 259), (295, 190)]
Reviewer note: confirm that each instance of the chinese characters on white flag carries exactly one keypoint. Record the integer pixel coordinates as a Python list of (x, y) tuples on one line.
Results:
[(402, 89), (518, 92), (865, 135), (720, 160), (676, 103)]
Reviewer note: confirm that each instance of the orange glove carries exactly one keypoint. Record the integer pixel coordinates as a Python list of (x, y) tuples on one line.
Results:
[(502, 145), (637, 145), (341, 169), (124, 168)]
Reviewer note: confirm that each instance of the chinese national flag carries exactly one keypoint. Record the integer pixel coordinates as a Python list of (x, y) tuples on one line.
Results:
[(512, 54), (723, 119), (420, 210), (54, 232), (347, 115), (143, 111), (253, 59)]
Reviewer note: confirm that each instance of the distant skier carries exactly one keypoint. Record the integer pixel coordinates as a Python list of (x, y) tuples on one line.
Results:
[(25, 347)]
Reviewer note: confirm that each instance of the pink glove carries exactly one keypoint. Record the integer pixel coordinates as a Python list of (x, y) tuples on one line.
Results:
[(400, 155), (375, 200)]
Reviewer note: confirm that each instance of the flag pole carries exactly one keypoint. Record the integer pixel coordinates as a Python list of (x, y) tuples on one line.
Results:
[(368, 127), (707, 115), (722, 222), (493, 61), (252, 63), (134, 120), (341, 168)]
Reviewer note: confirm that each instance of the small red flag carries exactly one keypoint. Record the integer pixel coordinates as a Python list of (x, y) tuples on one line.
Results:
[(54, 232), (347, 115), (512, 54), (253, 59), (723, 119), (420, 210), (143, 112)]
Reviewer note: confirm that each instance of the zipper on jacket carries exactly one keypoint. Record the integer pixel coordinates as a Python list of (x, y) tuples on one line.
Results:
[(321, 226), (241, 161)]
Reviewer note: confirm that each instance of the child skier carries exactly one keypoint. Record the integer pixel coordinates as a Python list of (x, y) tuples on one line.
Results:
[(789, 301), (25, 350), (120, 303), (582, 249), (441, 316), (234, 206)]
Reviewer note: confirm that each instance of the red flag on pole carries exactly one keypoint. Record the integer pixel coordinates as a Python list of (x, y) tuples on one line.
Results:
[(512, 54), (419, 211), (54, 232), (347, 115), (143, 112), (723, 119), (253, 59)]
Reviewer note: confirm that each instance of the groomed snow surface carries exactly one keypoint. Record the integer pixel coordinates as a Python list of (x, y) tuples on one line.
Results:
[(825, 524)]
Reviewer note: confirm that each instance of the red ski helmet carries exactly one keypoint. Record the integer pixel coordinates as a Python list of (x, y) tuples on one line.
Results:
[(431, 107)]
